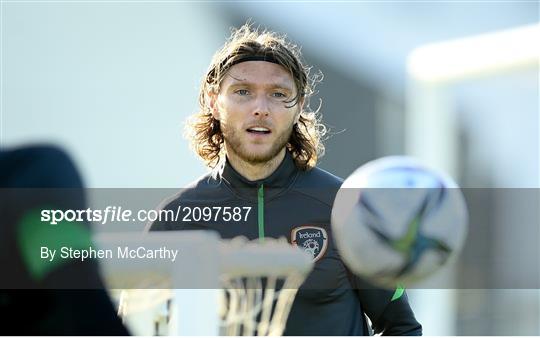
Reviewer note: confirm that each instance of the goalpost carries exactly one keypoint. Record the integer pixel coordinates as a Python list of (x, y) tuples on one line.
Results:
[(431, 128)]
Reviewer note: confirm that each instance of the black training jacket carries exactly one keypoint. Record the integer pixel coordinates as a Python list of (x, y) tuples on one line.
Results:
[(297, 205)]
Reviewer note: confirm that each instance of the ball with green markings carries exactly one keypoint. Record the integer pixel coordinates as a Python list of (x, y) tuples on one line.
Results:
[(397, 221)]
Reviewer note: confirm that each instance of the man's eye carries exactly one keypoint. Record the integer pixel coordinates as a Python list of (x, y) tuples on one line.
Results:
[(279, 94), (242, 92)]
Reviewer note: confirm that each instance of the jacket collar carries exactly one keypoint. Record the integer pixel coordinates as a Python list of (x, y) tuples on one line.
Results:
[(277, 182)]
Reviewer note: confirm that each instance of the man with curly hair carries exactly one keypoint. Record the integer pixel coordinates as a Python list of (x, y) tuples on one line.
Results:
[(256, 132)]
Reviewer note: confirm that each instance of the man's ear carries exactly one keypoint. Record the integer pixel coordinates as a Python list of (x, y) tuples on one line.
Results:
[(297, 117), (213, 100), (299, 112)]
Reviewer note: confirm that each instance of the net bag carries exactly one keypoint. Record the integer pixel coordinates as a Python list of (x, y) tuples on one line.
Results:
[(260, 281)]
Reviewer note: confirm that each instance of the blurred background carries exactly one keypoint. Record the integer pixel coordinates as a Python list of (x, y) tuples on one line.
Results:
[(454, 83)]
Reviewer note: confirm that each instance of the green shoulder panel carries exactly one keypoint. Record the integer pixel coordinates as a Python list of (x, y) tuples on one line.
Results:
[(33, 235)]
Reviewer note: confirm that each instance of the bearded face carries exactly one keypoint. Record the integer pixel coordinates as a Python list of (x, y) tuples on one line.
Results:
[(253, 110)]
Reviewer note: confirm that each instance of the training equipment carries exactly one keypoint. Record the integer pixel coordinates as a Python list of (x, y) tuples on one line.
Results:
[(229, 287), (396, 221)]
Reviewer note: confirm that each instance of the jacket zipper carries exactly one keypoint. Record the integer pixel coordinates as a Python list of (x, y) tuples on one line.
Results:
[(260, 212)]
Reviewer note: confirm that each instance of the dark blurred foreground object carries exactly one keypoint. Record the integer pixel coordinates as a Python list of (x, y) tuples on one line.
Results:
[(32, 179)]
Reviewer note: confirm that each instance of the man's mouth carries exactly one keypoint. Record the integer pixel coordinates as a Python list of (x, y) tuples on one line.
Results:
[(258, 130)]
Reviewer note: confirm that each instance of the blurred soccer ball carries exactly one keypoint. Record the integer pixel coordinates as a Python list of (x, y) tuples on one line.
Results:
[(397, 221)]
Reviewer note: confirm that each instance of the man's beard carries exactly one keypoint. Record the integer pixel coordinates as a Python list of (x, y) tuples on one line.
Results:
[(235, 145)]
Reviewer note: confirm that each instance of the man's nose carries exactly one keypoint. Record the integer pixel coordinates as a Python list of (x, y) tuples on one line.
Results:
[(261, 106)]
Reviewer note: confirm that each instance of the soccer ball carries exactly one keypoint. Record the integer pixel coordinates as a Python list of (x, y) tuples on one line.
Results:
[(396, 221)]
